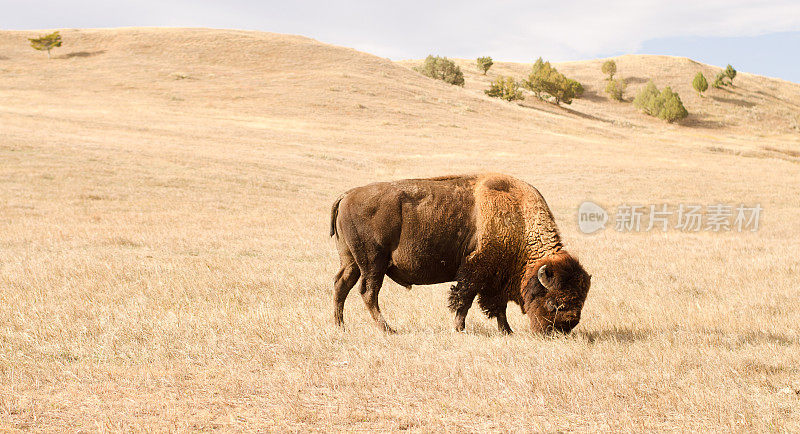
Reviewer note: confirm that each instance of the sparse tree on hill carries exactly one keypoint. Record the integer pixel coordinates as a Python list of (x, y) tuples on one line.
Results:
[(533, 82), (484, 63), (564, 90), (46, 42), (647, 99), (442, 68), (719, 81), (538, 64), (673, 108), (616, 88), (666, 105), (505, 88), (545, 79), (609, 68), (730, 73), (577, 88), (700, 84), (537, 80)]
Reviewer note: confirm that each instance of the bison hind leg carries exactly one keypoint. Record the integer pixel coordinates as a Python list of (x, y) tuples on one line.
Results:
[(346, 278), (370, 288)]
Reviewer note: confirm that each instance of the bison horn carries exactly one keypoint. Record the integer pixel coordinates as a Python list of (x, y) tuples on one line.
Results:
[(542, 275)]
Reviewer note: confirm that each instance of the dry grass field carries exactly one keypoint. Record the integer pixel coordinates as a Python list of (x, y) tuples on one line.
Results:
[(165, 261)]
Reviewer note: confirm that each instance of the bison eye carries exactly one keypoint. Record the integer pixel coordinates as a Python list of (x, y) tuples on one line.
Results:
[(552, 305)]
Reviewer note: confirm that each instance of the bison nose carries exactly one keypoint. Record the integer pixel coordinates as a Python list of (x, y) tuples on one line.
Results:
[(566, 326)]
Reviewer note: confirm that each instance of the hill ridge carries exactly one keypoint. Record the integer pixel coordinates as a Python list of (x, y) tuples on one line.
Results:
[(277, 76)]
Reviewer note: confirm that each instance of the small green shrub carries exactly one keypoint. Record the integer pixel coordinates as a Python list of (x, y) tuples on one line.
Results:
[(442, 68), (719, 81), (505, 88), (647, 99), (609, 68), (544, 79), (616, 88), (46, 42), (577, 88), (536, 80), (484, 63), (730, 73), (673, 108), (700, 84), (666, 105)]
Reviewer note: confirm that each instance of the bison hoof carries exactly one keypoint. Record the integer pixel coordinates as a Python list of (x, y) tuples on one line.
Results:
[(387, 329), (459, 322)]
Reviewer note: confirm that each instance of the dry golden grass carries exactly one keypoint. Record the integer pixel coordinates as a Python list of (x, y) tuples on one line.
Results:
[(165, 264)]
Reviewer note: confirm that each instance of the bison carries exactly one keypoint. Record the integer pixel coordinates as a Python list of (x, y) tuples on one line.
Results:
[(492, 234)]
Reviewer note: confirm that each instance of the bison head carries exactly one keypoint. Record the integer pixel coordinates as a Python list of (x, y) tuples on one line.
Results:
[(554, 293)]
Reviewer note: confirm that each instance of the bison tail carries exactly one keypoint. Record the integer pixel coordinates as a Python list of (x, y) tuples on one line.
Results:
[(335, 213)]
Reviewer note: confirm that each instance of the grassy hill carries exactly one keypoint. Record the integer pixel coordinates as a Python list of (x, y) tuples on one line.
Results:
[(165, 264), (754, 105)]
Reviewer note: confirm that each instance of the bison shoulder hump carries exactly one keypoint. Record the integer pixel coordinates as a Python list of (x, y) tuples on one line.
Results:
[(498, 183)]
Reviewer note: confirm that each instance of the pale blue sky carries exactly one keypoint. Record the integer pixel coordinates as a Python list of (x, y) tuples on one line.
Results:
[(755, 36)]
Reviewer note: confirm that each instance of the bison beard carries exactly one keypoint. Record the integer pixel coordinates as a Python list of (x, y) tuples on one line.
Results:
[(492, 234)]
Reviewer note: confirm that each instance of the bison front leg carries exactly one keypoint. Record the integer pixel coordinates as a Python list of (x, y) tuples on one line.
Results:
[(502, 324), (493, 304), (461, 297)]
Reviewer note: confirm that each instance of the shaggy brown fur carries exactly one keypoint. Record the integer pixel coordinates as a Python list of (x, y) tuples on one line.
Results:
[(490, 233)]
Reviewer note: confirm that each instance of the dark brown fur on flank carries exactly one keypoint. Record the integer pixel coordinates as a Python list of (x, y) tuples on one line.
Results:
[(492, 234)]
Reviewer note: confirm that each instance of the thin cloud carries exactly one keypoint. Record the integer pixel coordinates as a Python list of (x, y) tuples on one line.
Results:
[(507, 30)]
